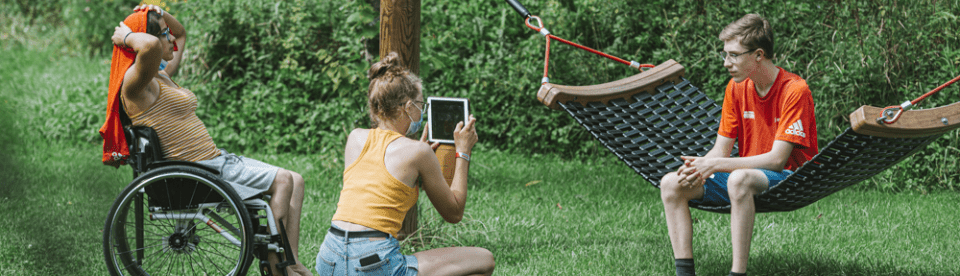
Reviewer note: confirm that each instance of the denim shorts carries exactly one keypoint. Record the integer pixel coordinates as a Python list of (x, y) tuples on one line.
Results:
[(715, 188), (341, 256)]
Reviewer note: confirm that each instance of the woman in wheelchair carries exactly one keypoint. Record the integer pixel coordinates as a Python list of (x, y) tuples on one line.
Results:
[(379, 187), (150, 98)]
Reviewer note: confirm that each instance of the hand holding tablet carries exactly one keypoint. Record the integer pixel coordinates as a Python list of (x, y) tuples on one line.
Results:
[(443, 115)]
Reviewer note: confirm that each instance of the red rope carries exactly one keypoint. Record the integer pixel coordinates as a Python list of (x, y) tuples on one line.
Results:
[(549, 36), (935, 90), (546, 61)]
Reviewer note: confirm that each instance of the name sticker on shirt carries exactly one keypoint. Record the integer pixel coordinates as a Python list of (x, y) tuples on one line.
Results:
[(749, 115)]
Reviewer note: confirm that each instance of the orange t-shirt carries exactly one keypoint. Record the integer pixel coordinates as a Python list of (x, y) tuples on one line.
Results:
[(785, 114)]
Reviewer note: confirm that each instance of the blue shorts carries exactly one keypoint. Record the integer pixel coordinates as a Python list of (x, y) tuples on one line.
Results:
[(341, 256), (715, 188)]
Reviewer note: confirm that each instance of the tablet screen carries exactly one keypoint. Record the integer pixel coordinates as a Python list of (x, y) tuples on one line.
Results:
[(445, 114)]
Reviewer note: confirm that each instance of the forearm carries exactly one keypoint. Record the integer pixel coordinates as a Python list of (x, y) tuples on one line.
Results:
[(718, 152), (765, 161), (142, 43), (176, 28), (459, 185)]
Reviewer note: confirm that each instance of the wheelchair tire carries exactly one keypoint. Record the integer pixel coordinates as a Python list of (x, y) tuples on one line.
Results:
[(178, 220)]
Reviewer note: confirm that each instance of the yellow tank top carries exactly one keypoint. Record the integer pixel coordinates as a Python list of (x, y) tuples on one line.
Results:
[(174, 116), (371, 196)]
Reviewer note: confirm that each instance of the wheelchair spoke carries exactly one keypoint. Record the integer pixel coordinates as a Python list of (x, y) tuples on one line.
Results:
[(215, 263), (135, 249), (192, 265), (166, 223), (131, 226)]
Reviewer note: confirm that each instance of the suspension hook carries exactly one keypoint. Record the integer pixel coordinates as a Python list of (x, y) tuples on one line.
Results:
[(891, 114)]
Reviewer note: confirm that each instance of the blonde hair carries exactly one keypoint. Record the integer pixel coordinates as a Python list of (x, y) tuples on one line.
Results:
[(754, 32), (391, 85)]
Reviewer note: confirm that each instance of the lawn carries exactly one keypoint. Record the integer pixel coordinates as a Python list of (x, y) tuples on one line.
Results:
[(539, 215)]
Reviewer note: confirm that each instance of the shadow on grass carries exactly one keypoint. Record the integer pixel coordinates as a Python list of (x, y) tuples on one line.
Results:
[(53, 202), (800, 263)]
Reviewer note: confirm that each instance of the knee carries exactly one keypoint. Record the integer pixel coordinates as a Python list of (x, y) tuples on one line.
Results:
[(283, 181), (297, 180), (740, 185), (669, 187), (489, 263)]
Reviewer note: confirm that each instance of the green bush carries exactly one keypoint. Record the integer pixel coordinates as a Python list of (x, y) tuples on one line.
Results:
[(275, 76), (289, 76)]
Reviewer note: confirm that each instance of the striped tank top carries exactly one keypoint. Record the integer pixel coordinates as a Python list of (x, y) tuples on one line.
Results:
[(173, 116)]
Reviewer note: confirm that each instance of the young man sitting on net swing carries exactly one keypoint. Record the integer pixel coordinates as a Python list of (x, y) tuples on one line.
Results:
[(770, 112)]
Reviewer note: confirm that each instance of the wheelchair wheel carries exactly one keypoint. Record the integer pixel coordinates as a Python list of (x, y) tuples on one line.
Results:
[(178, 220)]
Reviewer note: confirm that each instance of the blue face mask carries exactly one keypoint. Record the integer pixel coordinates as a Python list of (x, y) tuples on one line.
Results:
[(163, 64), (415, 126)]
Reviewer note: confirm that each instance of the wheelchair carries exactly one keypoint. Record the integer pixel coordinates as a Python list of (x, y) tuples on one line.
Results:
[(180, 218)]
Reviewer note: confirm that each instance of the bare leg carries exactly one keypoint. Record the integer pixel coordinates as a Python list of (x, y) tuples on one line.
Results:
[(742, 185), (293, 223), (455, 261), (677, 211), (282, 192)]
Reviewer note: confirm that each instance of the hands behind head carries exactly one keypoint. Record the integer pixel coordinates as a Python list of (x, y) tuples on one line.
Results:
[(146, 7), (120, 34)]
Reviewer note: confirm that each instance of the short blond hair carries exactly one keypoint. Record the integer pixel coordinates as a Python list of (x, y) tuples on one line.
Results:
[(754, 32)]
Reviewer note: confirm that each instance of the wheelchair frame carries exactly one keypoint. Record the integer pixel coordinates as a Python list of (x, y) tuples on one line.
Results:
[(185, 229)]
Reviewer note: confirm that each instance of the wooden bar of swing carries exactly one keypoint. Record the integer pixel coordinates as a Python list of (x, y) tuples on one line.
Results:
[(913, 123)]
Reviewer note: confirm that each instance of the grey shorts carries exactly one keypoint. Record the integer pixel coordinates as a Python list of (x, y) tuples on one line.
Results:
[(248, 176)]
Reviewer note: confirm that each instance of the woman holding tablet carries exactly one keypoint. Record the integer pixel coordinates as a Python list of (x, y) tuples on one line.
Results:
[(379, 187)]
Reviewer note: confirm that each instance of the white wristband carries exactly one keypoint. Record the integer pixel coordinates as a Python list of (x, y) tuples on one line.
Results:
[(463, 155)]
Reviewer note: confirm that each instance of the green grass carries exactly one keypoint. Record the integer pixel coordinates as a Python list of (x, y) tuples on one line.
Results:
[(582, 218), (539, 215)]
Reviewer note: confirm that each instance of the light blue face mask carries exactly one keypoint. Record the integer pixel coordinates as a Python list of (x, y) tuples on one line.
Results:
[(163, 64), (415, 126)]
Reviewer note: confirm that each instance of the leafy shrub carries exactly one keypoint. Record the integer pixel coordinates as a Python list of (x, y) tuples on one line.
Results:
[(289, 76), (276, 76)]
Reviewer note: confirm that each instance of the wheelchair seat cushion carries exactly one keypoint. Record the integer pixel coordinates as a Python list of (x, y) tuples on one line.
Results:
[(249, 177)]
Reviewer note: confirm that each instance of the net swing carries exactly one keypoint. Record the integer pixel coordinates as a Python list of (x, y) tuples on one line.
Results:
[(651, 119)]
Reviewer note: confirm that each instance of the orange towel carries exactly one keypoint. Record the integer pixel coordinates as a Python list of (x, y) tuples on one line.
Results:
[(115, 150)]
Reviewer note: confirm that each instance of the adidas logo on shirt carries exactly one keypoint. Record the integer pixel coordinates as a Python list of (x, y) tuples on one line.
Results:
[(796, 129)]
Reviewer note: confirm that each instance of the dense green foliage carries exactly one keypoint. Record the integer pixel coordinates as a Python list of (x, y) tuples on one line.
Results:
[(289, 76)]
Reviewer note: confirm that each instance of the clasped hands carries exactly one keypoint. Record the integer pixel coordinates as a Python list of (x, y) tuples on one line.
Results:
[(695, 171)]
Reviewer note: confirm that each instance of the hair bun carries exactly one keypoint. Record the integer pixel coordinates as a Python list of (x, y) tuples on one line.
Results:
[(389, 66)]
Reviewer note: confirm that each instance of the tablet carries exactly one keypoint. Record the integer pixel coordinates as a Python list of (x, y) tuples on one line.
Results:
[(443, 114)]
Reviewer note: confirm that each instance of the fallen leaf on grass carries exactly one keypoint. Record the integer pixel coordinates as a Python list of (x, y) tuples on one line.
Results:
[(558, 205), (532, 183), (819, 216)]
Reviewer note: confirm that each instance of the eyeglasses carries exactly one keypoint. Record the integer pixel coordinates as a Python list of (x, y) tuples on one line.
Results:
[(166, 33), (731, 57), (425, 105)]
